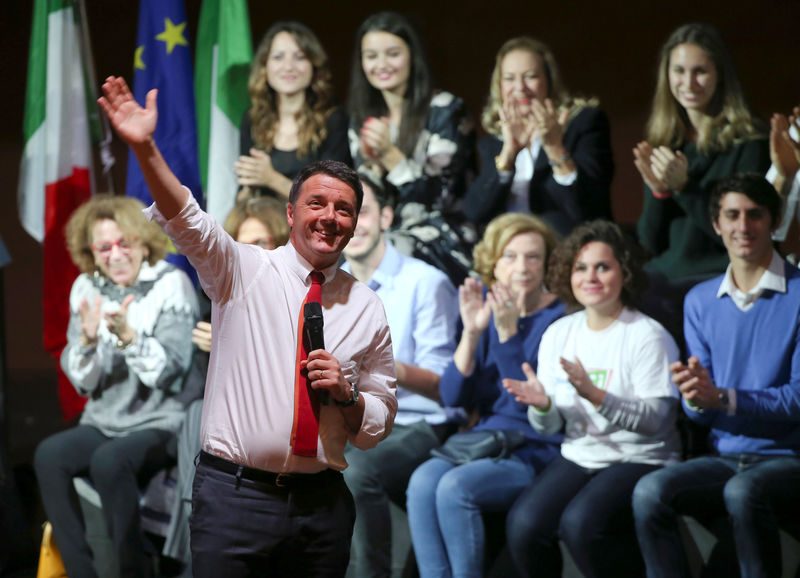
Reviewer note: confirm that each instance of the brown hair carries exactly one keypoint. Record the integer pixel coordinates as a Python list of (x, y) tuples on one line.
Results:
[(264, 110), (498, 234), (126, 212), (556, 90), (669, 124), (270, 211), (629, 255)]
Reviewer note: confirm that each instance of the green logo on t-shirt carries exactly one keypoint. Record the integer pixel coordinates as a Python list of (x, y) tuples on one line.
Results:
[(599, 377)]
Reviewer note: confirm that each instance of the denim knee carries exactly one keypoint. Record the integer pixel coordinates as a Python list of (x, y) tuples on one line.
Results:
[(649, 495), (740, 493)]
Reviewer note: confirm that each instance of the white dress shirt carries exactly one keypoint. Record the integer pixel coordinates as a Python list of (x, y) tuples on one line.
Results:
[(256, 295)]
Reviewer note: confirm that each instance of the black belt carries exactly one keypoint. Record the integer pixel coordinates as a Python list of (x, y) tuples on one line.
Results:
[(286, 481)]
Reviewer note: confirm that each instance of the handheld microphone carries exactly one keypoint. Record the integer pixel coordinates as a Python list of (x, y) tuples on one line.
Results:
[(312, 327)]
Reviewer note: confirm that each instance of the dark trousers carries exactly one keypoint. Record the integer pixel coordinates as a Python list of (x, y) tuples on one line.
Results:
[(756, 492), (242, 527), (590, 510), (115, 467)]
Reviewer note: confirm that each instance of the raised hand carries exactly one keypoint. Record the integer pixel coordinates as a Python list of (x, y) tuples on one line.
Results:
[(376, 137), (530, 391), (90, 319), (475, 311), (134, 124)]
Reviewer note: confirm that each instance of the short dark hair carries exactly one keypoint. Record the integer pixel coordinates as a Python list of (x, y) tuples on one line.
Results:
[(385, 192), (752, 185), (335, 169), (629, 255)]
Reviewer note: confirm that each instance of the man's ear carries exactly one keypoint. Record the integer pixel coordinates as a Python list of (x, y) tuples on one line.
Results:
[(716, 227), (387, 216), (290, 214)]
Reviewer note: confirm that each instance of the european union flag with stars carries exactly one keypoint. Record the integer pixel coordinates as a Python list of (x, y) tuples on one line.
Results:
[(163, 60)]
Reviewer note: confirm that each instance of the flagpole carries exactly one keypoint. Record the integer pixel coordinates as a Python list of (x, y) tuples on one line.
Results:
[(106, 155)]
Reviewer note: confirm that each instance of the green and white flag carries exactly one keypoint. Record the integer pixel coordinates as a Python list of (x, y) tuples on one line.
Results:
[(56, 169), (222, 67)]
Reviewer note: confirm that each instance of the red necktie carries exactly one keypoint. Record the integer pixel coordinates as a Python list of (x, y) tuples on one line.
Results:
[(305, 429)]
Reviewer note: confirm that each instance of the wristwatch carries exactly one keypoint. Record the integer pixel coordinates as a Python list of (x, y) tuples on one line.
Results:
[(353, 400), (724, 398)]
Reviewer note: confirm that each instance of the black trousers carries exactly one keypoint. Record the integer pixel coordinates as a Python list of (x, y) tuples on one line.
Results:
[(244, 527), (115, 466)]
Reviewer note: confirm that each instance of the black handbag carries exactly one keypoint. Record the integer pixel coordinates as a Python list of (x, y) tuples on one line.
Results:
[(467, 446)]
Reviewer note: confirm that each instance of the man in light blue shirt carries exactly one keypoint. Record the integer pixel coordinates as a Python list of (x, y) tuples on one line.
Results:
[(422, 309)]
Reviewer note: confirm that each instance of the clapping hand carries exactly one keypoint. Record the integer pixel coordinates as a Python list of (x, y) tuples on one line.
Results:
[(90, 319), (530, 391), (376, 138), (516, 129), (506, 306), (549, 122), (664, 171), (475, 311), (784, 151), (254, 170), (117, 322), (694, 383)]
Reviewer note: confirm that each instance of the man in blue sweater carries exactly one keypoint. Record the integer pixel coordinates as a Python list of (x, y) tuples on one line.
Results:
[(743, 381)]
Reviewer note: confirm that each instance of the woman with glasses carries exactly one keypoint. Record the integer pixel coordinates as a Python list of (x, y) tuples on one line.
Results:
[(128, 347)]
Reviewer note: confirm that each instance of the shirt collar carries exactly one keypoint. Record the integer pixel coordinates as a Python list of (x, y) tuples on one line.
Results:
[(303, 268), (387, 269), (773, 279)]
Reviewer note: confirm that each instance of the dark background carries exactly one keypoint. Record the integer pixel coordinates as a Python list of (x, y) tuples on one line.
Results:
[(607, 49)]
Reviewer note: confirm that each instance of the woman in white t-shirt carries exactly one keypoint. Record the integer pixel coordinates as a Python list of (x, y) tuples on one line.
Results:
[(603, 377)]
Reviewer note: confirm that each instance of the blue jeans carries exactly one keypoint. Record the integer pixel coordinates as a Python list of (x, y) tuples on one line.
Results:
[(445, 502), (757, 492)]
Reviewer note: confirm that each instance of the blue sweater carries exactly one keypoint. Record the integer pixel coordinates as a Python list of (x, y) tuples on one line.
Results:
[(757, 353), (483, 390)]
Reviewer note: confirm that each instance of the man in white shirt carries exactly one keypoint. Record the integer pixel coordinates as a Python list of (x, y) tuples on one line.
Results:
[(260, 505)]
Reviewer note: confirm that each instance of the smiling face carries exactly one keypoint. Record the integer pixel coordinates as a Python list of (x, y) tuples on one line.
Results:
[(386, 61), (597, 278), (288, 69), (521, 264), (372, 222), (745, 228), (322, 219), (692, 77), (118, 256), (523, 79)]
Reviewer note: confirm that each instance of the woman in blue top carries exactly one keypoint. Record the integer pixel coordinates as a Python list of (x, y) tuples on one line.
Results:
[(502, 329)]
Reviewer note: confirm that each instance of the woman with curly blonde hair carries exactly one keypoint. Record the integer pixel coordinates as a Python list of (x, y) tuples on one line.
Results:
[(129, 344), (292, 121), (545, 152), (502, 328), (699, 131)]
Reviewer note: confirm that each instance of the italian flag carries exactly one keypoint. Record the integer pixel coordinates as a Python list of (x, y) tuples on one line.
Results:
[(55, 176), (222, 67)]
